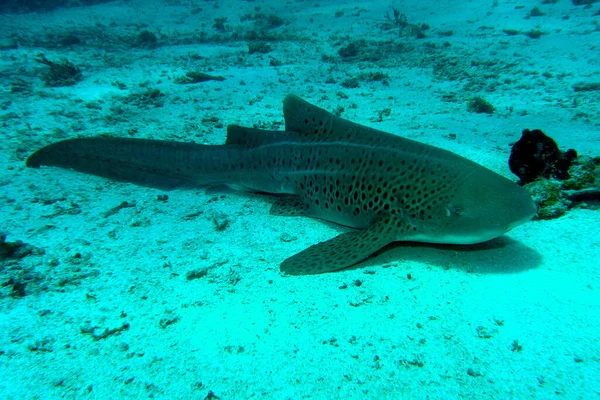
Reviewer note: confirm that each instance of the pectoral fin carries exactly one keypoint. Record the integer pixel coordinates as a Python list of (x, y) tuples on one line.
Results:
[(340, 252)]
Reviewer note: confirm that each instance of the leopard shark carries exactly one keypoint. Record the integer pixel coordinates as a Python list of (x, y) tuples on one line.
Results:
[(384, 187)]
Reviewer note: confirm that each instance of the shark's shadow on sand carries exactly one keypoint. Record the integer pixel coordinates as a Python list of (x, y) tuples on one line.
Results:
[(502, 255)]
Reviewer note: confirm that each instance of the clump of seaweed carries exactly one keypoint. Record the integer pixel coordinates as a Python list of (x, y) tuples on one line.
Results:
[(16, 250), (263, 22), (60, 74), (146, 39), (376, 76), (262, 28), (583, 2), (480, 105), (546, 195), (372, 51), (584, 173), (254, 27), (221, 25), (535, 12), (259, 46), (19, 85), (534, 34), (352, 49), (151, 97), (399, 21), (197, 77), (69, 40), (351, 83)]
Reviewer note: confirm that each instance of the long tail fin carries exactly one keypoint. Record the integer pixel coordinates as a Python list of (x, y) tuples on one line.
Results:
[(153, 163)]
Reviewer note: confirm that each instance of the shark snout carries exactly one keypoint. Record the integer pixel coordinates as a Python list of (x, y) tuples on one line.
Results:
[(525, 209)]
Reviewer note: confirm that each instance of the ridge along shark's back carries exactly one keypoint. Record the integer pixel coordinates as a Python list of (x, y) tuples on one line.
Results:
[(387, 187)]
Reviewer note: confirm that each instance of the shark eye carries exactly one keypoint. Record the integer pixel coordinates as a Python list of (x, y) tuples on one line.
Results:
[(453, 210)]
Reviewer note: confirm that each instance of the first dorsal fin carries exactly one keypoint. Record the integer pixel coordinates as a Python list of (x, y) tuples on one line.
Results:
[(249, 137), (316, 123)]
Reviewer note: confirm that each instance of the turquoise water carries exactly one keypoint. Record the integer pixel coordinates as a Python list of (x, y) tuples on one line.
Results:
[(117, 290)]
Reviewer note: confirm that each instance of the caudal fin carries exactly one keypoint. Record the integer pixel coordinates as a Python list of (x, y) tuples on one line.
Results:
[(153, 163)]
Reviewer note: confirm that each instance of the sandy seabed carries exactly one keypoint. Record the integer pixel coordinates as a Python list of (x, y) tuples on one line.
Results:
[(104, 304)]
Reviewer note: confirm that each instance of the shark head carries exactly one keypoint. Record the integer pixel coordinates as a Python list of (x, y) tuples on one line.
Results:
[(409, 190), (482, 205)]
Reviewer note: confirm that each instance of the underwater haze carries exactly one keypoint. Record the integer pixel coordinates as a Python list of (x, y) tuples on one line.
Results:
[(112, 289)]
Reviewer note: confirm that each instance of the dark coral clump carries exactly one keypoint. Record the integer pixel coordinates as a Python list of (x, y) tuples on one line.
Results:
[(536, 155), (557, 181)]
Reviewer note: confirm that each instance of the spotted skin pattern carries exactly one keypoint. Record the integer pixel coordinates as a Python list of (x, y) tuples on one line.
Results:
[(385, 187)]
